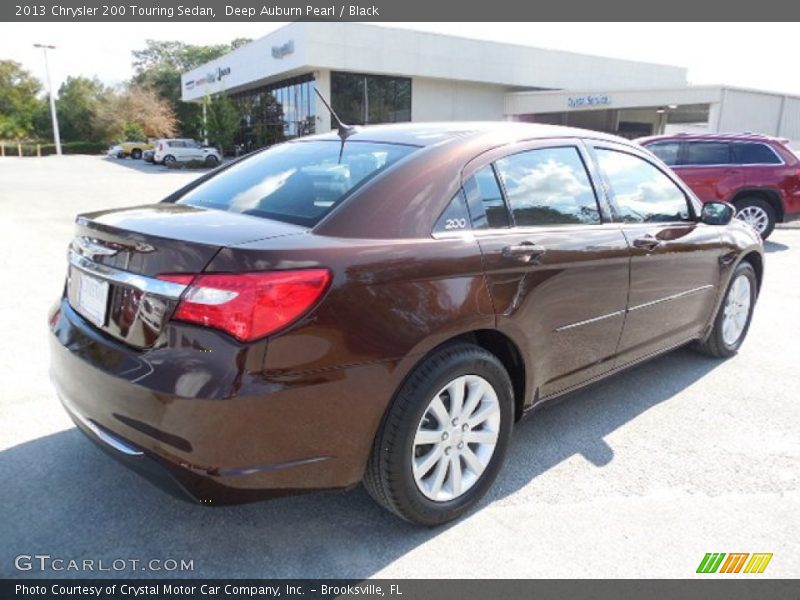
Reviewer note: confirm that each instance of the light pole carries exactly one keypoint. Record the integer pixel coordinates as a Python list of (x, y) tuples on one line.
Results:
[(56, 134)]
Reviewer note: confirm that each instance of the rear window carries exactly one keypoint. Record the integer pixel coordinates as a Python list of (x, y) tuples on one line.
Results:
[(298, 182)]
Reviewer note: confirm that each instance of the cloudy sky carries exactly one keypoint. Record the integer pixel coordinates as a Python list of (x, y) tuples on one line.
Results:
[(736, 53)]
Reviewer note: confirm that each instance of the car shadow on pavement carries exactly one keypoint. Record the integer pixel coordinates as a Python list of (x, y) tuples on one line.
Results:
[(64, 497), (770, 246)]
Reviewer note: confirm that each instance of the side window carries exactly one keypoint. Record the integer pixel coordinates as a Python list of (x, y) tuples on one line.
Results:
[(548, 187), (666, 151), (746, 153), (707, 153), (485, 200), (455, 217), (642, 192)]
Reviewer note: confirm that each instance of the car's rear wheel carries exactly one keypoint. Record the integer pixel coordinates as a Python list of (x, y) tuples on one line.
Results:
[(136, 154), (211, 160), (444, 438), (758, 214), (168, 159), (733, 318)]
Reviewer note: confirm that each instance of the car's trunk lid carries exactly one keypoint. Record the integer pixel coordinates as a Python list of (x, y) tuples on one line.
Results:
[(117, 255)]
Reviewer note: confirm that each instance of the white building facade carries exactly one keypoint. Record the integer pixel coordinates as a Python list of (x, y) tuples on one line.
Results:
[(375, 74)]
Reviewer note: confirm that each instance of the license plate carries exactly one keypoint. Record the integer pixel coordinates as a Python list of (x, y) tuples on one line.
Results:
[(92, 298)]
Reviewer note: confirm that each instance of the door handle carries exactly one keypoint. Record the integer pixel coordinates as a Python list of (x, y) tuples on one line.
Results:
[(524, 252), (647, 242)]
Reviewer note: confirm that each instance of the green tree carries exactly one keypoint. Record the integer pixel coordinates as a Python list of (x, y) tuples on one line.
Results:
[(19, 101), (222, 120), (78, 104), (159, 67)]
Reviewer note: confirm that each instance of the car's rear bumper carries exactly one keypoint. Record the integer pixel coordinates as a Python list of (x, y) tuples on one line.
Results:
[(245, 438)]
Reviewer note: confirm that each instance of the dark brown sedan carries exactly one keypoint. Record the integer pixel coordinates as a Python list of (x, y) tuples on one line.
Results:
[(384, 309)]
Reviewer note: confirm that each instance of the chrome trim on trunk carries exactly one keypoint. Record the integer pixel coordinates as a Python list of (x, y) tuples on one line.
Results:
[(148, 285)]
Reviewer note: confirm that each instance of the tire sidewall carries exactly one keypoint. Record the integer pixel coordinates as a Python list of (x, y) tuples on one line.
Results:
[(474, 362), (743, 268)]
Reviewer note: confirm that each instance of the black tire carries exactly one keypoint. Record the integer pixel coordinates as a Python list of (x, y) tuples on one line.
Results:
[(168, 159), (120, 155), (212, 160), (715, 344), (758, 204), (389, 478), (136, 154)]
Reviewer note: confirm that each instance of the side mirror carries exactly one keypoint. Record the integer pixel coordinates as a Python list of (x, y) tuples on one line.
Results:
[(717, 213)]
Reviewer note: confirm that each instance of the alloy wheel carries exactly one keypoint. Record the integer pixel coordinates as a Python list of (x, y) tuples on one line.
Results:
[(736, 310), (756, 217), (456, 438)]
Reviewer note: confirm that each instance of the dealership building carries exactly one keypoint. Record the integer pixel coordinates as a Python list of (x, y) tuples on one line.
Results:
[(375, 74)]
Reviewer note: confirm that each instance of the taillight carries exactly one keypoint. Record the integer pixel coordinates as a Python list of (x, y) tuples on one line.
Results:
[(249, 306), (160, 147)]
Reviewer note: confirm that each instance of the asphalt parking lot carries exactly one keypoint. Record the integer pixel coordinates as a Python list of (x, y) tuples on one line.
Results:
[(638, 476)]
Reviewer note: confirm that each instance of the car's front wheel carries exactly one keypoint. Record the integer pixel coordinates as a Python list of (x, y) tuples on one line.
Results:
[(758, 214), (136, 154), (733, 317), (444, 438), (211, 160)]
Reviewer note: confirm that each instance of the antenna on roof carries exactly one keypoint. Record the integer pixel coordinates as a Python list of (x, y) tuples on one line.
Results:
[(344, 130)]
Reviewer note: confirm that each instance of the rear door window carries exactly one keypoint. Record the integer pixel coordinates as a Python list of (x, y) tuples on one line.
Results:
[(548, 186), (296, 182), (707, 153), (749, 153)]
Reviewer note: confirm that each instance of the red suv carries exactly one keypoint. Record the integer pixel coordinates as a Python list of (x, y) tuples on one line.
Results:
[(758, 174)]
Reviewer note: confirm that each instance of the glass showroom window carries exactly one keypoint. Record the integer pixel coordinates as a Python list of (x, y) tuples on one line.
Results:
[(276, 112), (361, 99)]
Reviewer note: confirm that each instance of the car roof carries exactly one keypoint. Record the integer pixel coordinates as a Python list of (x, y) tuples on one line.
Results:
[(713, 137), (428, 134)]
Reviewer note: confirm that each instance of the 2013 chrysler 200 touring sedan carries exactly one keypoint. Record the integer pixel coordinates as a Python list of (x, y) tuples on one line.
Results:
[(383, 307)]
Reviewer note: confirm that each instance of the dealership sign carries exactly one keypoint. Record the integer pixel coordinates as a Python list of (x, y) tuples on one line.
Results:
[(284, 50), (586, 101), (210, 77)]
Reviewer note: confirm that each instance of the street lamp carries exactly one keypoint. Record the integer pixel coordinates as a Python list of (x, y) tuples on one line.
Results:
[(56, 134)]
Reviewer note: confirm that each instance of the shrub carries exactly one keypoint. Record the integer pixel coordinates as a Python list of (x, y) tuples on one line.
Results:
[(29, 149)]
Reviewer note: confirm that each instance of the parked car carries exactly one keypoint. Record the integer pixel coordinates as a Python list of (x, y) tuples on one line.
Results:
[(758, 174), (184, 150), (134, 149), (385, 306), (149, 156), (115, 151)]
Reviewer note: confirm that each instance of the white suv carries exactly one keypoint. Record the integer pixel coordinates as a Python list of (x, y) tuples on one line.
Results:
[(184, 150)]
